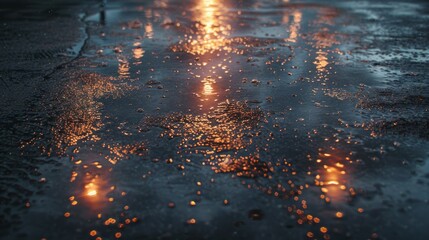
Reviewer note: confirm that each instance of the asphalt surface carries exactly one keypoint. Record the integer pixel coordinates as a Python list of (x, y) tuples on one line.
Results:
[(207, 119)]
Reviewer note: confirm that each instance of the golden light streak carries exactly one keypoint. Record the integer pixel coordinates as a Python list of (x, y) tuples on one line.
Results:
[(212, 32), (294, 26), (208, 89)]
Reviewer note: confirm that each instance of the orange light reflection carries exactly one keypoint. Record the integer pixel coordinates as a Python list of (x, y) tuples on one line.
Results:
[(294, 26)]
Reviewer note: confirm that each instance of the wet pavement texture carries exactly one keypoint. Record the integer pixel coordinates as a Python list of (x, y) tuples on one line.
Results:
[(209, 119)]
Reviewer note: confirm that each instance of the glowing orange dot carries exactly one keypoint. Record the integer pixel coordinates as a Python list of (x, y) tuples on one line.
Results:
[(191, 221), (310, 234), (323, 230), (118, 235), (192, 203), (93, 233), (316, 220), (360, 210), (339, 214), (110, 221), (67, 214), (91, 193)]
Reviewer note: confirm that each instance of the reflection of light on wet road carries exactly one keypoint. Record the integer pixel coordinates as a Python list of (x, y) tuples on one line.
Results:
[(324, 39), (123, 68), (321, 61), (208, 86), (80, 115), (148, 28), (332, 176), (212, 31), (92, 193), (209, 16), (225, 129), (95, 193), (294, 26), (211, 36), (91, 189), (230, 136), (138, 52)]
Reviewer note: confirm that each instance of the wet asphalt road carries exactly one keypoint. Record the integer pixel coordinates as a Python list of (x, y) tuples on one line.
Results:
[(208, 119)]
